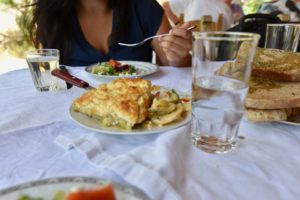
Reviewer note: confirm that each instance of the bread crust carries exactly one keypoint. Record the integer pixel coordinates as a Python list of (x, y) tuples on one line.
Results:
[(293, 75), (259, 103), (263, 115), (258, 115)]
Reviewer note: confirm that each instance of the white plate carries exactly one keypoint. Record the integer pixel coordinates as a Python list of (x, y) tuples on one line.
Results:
[(295, 121), (94, 125), (46, 188), (143, 69)]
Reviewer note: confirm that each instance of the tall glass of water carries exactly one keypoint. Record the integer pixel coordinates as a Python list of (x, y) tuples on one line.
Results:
[(282, 36), (220, 73), (41, 62)]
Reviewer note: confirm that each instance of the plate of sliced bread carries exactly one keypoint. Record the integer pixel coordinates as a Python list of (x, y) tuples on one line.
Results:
[(274, 87), (274, 92)]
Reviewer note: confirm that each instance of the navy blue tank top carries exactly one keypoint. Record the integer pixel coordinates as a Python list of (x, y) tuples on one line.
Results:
[(145, 19)]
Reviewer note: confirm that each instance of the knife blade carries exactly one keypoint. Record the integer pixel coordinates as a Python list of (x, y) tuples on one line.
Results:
[(71, 79)]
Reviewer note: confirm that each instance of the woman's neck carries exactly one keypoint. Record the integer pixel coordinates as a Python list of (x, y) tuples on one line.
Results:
[(95, 19), (93, 6)]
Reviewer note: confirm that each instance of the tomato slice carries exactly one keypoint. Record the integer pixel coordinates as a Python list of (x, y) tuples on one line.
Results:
[(184, 100), (114, 63), (105, 192)]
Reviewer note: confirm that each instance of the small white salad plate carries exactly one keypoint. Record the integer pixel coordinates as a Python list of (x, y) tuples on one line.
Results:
[(142, 68)]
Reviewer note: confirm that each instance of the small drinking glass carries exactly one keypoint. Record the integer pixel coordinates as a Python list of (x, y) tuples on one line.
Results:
[(220, 72), (282, 36), (41, 62)]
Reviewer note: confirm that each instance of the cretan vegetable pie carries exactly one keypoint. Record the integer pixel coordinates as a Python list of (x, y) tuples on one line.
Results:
[(126, 102)]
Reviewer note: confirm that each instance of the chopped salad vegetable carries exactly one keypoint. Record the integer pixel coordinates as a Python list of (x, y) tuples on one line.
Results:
[(113, 68), (104, 192)]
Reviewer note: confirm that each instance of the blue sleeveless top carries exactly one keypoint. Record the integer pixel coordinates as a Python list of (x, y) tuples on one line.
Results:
[(145, 19)]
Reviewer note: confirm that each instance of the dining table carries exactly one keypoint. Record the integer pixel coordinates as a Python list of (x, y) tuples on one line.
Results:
[(39, 139)]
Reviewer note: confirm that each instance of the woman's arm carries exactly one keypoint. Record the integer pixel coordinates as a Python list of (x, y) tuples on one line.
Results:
[(173, 49)]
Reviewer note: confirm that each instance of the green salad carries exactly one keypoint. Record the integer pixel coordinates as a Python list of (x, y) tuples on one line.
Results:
[(113, 68), (59, 195)]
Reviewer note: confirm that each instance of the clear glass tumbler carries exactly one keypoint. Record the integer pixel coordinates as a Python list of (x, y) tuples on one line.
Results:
[(282, 36), (41, 62), (220, 72)]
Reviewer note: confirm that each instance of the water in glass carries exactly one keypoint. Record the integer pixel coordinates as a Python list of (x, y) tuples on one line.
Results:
[(217, 108), (40, 68)]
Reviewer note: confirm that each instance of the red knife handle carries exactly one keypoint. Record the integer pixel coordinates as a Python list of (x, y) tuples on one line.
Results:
[(69, 78)]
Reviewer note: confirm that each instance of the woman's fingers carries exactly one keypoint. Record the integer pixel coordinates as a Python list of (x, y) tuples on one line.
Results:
[(181, 31), (172, 55), (178, 44)]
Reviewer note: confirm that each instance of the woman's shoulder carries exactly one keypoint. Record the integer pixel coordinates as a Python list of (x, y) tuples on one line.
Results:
[(146, 9), (146, 14)]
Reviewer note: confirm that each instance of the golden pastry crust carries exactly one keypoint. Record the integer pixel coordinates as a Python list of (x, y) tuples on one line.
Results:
[(122, 102)]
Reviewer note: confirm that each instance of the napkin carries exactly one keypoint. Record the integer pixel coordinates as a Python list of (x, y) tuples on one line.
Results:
[(141, 164)]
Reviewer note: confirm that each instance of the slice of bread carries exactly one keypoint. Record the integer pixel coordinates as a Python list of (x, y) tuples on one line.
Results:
[(260, 115), (268, 94), (265, 93), (274, 64)]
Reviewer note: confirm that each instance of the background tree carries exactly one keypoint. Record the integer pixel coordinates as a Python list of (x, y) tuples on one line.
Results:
[(17, 41)]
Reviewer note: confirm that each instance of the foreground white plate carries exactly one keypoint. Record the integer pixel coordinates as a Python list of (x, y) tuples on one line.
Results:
[(46, 188), (94, 125), (143, 69)]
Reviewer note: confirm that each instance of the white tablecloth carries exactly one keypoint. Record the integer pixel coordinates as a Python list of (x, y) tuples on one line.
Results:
[(265, 165)]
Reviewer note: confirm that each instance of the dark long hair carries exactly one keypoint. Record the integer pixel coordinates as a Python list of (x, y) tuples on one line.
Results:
[(51, 25)]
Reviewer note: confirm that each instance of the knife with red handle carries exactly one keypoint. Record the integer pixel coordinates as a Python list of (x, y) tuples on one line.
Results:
[(70, 79)]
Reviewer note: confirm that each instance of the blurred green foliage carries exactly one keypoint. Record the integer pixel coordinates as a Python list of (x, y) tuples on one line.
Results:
[(17, 41), (252, 6)]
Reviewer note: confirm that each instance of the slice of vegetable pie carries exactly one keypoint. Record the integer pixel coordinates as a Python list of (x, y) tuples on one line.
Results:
[(121, 103)]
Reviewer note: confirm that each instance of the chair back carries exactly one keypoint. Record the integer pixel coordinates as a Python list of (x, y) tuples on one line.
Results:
[(256, 23), (206, 23)]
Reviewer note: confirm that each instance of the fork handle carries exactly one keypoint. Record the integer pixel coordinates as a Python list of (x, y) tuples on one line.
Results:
[(156, 36)]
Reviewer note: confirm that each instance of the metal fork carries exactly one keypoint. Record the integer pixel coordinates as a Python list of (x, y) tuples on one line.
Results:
[(149, 38)]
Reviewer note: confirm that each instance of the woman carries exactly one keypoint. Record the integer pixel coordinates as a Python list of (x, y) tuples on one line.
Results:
[(88, 31)]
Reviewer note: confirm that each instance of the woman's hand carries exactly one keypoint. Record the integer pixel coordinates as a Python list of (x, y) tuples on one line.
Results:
[(178, 45)]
